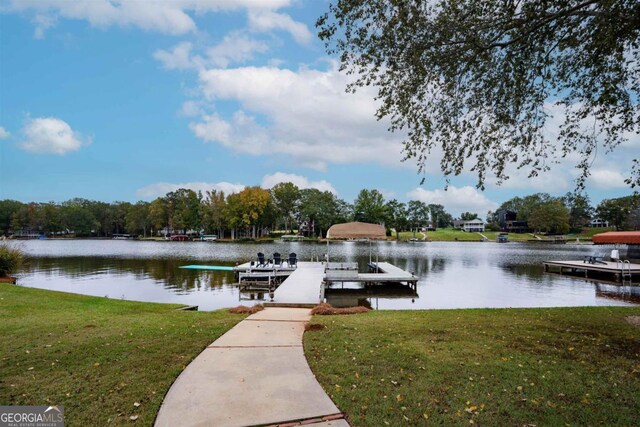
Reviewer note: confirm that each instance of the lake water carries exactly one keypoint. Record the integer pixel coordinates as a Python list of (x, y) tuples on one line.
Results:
[(452, 275)]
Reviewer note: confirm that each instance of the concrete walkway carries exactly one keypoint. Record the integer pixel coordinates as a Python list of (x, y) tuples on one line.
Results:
[(255, 374)]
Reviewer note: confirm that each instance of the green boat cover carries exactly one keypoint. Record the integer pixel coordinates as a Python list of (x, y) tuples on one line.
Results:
[(208, 267)]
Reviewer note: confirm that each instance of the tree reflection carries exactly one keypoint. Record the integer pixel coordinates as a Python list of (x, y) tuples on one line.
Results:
[(166, 272)]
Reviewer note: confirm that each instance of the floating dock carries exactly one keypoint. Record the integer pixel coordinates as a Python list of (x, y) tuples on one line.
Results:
[(606, 270), (304, 285), (303, 288), (380, 272)]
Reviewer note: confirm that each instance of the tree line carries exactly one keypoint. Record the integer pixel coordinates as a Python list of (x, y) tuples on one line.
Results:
[(255, 212), (571, 212)]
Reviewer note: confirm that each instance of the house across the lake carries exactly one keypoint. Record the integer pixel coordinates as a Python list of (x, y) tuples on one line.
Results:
[(472, 225), (597, 222), (507, 220)]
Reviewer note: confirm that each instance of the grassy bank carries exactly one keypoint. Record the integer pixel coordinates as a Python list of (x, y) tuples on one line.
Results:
[(104, 360), (452, 235), (588, 233), (562, 366)]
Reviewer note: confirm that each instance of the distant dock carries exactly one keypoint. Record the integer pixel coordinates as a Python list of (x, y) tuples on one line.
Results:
[(619, 272)]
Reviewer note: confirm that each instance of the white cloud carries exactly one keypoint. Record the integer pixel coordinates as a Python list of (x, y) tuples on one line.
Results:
[(267, 20), (159, 189), (302, 182), (213, 128), (235, 48), (559, 178), (52, 136), (456, 200), (190, 109), (178, 58), (42, 23), (305, 114), (4, 134), (607, 179), (165, 16)]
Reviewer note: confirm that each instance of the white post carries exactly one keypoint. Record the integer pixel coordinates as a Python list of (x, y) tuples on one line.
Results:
[(327, 250)]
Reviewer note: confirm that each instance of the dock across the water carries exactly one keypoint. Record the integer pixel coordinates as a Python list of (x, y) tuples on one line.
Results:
[(619, 272)]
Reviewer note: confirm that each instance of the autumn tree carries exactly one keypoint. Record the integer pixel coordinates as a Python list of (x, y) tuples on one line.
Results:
[(249, 209), (158, 213), (286, 196), (479, 79), (214, 212)]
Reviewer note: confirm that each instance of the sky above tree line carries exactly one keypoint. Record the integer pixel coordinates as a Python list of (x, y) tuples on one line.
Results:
[(128, 100)]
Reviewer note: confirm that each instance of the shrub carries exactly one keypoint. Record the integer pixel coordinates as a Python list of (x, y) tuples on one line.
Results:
[(492, 226), (10, 259)]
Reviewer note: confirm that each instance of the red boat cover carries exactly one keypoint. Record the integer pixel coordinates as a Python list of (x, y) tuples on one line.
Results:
[(621, 237)]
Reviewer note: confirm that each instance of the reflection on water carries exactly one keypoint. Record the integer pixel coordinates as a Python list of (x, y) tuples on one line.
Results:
[(452, 275), (340, 296)]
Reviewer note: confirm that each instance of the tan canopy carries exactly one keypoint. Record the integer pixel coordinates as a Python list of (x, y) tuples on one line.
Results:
[(357, 230)]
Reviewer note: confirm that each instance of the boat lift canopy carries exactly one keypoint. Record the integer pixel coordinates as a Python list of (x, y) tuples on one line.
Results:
[(617, 237)]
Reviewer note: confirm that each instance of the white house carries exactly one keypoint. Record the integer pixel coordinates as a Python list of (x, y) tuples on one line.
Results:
[(597, 222), (473, 225)]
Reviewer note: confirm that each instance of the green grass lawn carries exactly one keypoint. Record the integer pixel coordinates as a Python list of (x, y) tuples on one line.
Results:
[(104, 360), (545, 367), (588, 233), (452, 235)]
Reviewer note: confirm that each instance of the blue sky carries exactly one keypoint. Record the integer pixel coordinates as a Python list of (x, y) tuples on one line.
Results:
[(126, 100)]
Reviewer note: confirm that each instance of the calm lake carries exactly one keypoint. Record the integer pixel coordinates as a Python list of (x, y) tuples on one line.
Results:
[(452, 275)]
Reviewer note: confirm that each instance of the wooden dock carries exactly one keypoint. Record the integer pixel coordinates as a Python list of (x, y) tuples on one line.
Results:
[(303, 288), (614, 271)]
